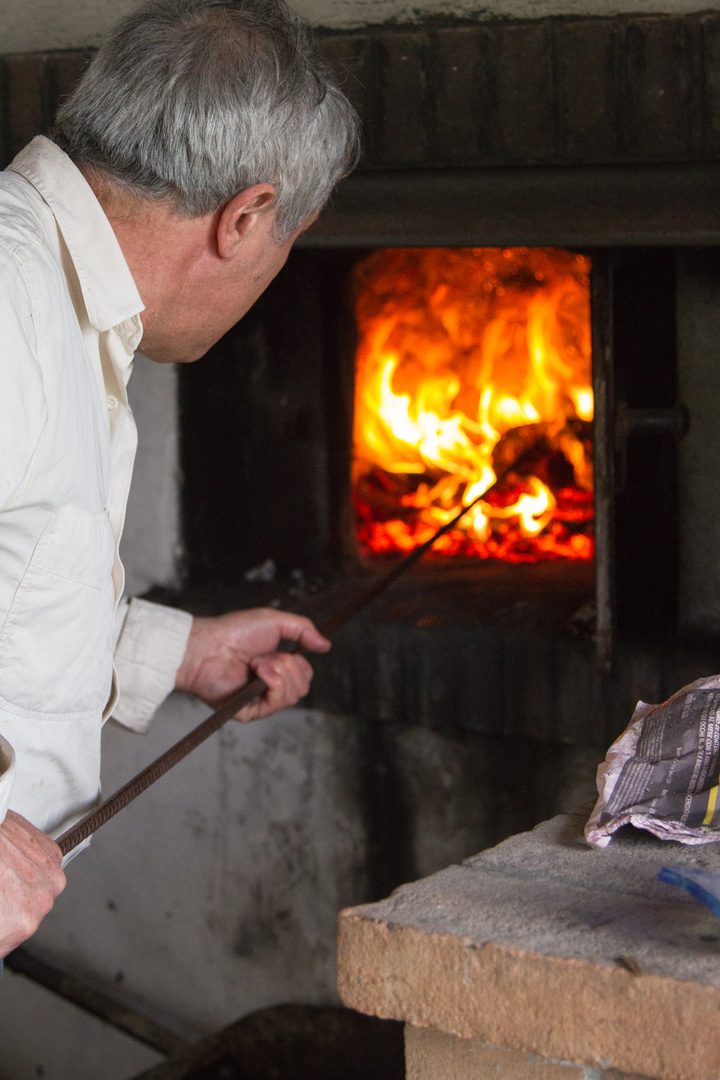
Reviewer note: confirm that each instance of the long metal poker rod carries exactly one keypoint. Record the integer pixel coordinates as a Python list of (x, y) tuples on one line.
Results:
[(237, 701)]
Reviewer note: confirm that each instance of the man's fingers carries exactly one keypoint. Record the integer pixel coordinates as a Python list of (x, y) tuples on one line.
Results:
[(30, 879), (288, 678), (37, 847), (284, 673), (26, 834), (297, 628)]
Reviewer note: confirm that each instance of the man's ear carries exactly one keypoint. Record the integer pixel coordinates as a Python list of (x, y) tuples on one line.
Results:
[(239, 217)]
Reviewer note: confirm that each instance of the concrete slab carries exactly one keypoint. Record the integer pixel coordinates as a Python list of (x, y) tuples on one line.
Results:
[(547, 946)]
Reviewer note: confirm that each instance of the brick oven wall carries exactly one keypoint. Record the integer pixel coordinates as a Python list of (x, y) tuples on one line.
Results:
[(544, 91), (591, 91)]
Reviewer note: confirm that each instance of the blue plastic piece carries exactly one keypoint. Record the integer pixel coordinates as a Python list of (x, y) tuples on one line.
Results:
[(702, 884)]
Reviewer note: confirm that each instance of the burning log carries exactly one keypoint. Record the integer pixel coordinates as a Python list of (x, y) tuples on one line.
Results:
[(534, 450)]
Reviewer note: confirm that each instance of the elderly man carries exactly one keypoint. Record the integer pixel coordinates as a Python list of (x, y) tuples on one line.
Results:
[(204, 137)]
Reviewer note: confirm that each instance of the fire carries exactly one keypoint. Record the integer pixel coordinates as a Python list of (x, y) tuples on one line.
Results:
[(473, 378)]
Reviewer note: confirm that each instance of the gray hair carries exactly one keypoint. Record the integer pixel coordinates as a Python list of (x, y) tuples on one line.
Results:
[(197, 100)]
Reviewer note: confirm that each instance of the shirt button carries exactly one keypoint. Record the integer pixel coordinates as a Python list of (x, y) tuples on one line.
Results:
[(112, 401)]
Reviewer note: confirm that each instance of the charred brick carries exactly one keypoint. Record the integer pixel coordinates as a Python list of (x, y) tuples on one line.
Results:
[(404, 138), (463, 121), (63, 73), (27, 109), (524, 88), (654, 113), (710, 54), (350, 56), (587, 89)]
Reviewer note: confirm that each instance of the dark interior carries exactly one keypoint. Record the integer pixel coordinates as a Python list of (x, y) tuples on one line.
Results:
[(646, 538)]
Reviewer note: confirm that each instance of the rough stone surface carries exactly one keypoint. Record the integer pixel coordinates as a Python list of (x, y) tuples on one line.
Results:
[(546, 946), (433, 1055)]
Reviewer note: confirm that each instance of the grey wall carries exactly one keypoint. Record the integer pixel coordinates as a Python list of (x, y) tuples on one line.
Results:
[(151, 545), (214, 895), (30, 25)]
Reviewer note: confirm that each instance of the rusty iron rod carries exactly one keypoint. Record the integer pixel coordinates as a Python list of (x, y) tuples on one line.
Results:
[(243, 697)]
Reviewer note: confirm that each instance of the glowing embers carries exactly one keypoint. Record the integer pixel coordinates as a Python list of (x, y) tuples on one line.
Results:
[(474, 364)]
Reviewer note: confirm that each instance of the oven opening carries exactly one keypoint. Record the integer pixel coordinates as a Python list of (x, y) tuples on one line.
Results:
[(473, 378)]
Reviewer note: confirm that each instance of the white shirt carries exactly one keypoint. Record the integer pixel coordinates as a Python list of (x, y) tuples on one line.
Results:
[(69, 325)]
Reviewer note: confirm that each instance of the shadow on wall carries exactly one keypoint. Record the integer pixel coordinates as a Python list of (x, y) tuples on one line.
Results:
[(436, 798)]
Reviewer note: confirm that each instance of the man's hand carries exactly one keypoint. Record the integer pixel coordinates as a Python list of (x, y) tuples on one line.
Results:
[(221, 653), (30, 879)]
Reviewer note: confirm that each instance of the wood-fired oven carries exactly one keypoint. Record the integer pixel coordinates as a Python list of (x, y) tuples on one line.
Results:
[(593, 137), (592, 141)]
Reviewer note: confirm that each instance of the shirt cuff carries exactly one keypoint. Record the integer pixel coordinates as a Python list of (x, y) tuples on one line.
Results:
[(7, 773), (149, 651)]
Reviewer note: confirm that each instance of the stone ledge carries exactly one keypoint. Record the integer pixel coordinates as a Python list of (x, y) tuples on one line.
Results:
[(545, 946), (433, 1055)]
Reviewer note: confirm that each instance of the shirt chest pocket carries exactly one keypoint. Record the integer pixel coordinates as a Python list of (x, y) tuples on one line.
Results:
[(56, 643)]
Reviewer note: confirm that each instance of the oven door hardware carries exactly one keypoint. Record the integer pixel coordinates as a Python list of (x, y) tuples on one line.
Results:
[(673, 421)]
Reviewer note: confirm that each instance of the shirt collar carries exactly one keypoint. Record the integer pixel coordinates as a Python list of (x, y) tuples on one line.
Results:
[(110, 294)]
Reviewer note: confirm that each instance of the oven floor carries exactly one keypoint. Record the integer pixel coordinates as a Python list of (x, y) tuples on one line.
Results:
[(543, 597)]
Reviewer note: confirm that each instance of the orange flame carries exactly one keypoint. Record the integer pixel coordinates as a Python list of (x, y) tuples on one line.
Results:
[(473, 362)]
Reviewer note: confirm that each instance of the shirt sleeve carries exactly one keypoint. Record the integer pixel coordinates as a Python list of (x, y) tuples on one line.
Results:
[(23, 408), (7, 772), (150, 647)]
